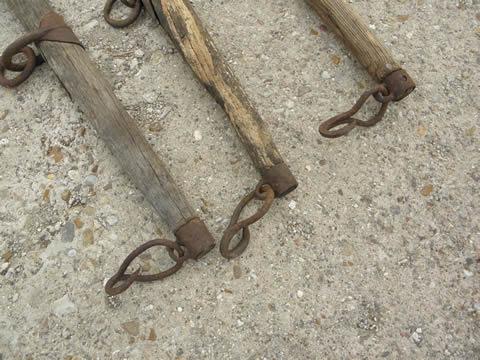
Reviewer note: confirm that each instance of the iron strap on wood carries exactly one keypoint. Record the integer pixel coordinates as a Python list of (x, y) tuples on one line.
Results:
[(52, 28), (90, 89)]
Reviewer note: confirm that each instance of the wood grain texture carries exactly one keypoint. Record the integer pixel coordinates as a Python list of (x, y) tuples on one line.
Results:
[(95, 96), (185, 29), (341, 18)]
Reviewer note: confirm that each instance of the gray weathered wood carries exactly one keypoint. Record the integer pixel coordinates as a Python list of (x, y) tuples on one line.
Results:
[(180, 21), (349, 26), (95, 96)]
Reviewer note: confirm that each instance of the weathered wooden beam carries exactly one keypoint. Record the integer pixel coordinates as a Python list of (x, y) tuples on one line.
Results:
[(345, 22), (187, 32), (95, 96)]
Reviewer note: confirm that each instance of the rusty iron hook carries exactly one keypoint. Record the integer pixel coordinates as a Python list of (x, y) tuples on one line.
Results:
[(379, 92), (135, 5), (262, 192), (111, 287)]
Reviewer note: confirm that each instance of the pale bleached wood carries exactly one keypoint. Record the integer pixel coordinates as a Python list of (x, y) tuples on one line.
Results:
[(350, 27), (184, 27), (95, 96)]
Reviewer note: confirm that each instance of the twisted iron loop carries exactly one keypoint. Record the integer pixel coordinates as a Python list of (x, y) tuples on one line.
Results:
[(21, 46), (135, 5), (264, 193), (379, 92), (126, 280)]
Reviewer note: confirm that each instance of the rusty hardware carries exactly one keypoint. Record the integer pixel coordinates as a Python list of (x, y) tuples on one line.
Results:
[(135, 5), (277, 181), (52, 28), (193, 242), (264, 193), (395, 87)]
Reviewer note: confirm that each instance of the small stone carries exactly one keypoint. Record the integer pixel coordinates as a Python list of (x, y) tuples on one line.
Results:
[(240, 322), (308, 167), (325, 75), (4, 268), (88, 237), (152, 335), (290, 104), (72, 253), (292, 205), (179, 309), (68, 233), (111, 220), (132, 327), (3, 114), (7, 256), (300, 294), (426, 190), (417, 336), (55, 152), (78, 223), (467, 273), (422, 131), (336, 60), (91, 180), (63, 306), (66, 195), (89, 210), (46, 195), (470, 132), (197, 135), (403, 18), (139, 53)]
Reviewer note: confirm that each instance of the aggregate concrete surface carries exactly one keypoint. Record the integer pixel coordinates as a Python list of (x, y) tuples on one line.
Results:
[(376, 255)]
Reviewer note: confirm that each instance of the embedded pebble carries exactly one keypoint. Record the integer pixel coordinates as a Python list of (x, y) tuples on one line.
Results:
[(68, 233), (91, 180), (132, 327), (4, 268), (112, 220), (325, 75), (300, 294), (197, 135), (63, 306), (292, 204), (417, 336)]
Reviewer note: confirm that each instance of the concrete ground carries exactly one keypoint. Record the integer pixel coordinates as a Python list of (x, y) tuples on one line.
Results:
[(376, 255)]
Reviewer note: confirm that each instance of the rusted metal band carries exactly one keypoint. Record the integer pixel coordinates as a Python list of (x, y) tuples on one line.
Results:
[(195, 238), (52, 28), (280, 178), (399, 84)]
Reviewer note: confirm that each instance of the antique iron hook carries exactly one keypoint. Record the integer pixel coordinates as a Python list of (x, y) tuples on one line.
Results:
[(395, 87), (126, 280), (264, 193), (135, 5)]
